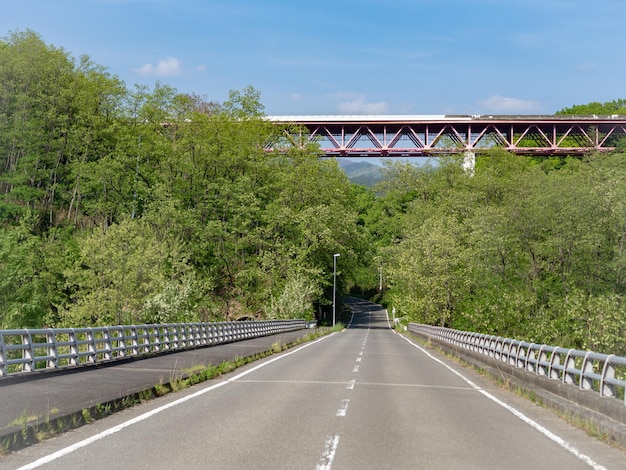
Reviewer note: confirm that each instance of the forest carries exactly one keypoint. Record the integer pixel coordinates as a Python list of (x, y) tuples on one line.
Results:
[(123, 205)]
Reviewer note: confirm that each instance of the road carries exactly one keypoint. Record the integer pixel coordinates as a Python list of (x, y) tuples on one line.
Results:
[(364, 398)]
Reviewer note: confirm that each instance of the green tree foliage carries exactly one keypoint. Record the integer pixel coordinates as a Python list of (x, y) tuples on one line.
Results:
[(610, 107), (524, 248), (129, 275), (54, 116), (295, 301), (147, 205)]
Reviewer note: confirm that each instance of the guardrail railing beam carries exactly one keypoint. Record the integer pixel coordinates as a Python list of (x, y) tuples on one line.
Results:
[(589, 370), (28, 350)]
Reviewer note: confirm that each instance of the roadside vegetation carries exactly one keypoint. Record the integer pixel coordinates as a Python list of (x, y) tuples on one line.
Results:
[(127, 205), (122, 206), (528, 249)]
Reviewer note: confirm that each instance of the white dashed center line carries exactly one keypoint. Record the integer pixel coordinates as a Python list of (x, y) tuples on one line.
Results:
[(343, 407)]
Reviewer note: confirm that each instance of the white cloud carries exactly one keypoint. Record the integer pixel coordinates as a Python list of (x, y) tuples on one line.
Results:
[(503, 105), (354, 103), (165, 68)]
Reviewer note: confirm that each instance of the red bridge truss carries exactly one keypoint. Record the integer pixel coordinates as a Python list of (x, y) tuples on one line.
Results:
[(418, 136)]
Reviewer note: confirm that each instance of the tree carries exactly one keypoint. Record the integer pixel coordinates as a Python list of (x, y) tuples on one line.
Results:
[(610, 107), (150, 205), (54, 115), (430, 272), (31, 284), (127, 275)]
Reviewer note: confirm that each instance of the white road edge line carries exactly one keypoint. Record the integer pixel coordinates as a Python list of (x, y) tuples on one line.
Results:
[(78, 445), (329, 453), (546, 432)]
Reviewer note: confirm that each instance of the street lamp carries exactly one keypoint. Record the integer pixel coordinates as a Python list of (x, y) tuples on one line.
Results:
[(334, 282)]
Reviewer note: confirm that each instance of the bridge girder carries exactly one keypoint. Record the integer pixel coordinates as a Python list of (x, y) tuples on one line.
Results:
[(422, 136)]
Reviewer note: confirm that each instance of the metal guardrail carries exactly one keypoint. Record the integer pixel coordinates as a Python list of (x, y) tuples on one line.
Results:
[(28, 350), (586, 369)]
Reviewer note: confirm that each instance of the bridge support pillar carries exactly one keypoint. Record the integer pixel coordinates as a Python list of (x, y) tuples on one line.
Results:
[(469, 160)]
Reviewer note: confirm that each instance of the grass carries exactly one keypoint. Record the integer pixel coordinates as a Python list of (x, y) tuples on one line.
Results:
[(22, 420)]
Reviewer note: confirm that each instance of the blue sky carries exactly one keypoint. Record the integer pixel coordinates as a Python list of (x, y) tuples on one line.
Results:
[(351, 57)]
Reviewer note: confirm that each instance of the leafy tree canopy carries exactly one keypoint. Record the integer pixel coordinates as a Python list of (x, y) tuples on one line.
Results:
[(148, 205), (610, 107)]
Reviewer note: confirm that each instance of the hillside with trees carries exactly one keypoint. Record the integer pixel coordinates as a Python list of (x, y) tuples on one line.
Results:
[(121, 206), (528, 249)]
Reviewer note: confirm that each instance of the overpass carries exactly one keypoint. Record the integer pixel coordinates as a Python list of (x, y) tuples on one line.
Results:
[(430, 135)]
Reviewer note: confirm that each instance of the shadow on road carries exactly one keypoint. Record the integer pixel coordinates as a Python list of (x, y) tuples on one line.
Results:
[(367, 315)]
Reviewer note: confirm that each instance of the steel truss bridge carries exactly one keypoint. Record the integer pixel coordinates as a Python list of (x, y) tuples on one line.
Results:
[(431, 135)]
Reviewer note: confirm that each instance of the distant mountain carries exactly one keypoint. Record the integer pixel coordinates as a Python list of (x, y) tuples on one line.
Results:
[(363, 173)]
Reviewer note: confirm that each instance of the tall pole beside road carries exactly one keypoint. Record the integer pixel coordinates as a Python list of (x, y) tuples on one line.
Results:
[(334, 283)]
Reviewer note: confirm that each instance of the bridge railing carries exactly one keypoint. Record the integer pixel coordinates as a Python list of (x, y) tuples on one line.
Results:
[(588, 370), (27, 350)]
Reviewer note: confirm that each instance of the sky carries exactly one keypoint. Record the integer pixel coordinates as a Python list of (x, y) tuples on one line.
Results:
[(352, 57)]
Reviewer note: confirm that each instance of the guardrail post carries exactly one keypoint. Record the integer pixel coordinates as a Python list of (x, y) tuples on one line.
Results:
[(569, 364), (608, 373), (118, 342), (134, 342), (210, 330), (3, 356), (53, 358), (542, 360), (521, 356), (91, 346), (71, 337), (586, 382), (203, 334), (182, 337), (154, 339), (531, 362), (173, 336), (108, 346), (164, 335), (27, 352), (493, 347), (483, 344), (555, 361)]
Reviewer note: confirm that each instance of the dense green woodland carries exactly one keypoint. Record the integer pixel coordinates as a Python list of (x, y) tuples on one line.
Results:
[(137, 205)]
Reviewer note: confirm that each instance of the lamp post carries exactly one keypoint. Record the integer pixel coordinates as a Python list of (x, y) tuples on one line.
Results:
[(334, 283)]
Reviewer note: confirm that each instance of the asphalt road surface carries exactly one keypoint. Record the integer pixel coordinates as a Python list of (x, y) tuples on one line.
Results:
[(364, 398)]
